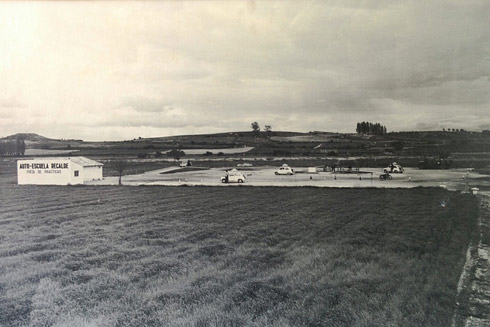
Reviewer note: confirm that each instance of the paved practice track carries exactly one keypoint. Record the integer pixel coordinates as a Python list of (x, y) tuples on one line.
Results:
[(264, 176)]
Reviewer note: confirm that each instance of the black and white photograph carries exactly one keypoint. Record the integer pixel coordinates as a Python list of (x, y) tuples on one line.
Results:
[(195, 163)]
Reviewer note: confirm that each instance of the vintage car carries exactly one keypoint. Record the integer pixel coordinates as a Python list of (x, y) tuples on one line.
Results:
[(284, 170), (394, 168), (233, 176)]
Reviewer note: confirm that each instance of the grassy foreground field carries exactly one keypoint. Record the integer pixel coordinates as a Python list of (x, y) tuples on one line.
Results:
[(230, 256)]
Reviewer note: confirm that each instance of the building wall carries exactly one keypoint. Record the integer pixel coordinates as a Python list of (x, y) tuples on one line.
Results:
[(44, 171), (73, 178), (54, 171), (92, 173)]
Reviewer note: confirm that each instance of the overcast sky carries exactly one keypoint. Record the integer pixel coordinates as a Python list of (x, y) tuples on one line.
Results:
[(120, 70)]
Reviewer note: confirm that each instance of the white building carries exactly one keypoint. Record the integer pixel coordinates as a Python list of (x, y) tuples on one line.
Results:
[(58, 171)]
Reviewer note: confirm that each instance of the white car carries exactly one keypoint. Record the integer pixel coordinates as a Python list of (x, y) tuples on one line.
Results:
[(284, 170), (234, 176), (185, 164), (245, 164), (394, 168)]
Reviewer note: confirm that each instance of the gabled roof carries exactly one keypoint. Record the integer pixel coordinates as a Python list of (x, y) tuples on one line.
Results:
[(85, 162)]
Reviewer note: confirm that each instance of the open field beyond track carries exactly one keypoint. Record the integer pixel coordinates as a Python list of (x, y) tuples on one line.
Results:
[(242, 256)]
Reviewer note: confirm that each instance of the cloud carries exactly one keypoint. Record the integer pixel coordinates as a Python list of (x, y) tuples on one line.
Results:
[(142, 104), (10, 103), (178, 67)]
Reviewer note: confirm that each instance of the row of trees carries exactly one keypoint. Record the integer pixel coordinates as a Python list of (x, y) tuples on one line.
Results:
[(370, 128), (15, 147), (461, 130), (256, 128)]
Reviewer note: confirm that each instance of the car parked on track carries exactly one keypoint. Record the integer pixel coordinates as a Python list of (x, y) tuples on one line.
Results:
[(233, 176), (284, 170), (187, 163), (245, 164), (394, 168)]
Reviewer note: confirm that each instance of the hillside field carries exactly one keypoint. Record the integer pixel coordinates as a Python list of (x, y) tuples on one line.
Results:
[(459, 149), (242, 256)]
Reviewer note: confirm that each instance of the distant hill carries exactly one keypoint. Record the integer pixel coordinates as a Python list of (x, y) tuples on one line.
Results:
[(36, 144), (33, 137), (240, 134), (28, 137)]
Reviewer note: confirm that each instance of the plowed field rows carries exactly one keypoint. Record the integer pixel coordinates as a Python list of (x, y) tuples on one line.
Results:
[(220, 256)]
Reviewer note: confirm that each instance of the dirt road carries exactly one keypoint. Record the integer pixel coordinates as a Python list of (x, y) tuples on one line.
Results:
[(473, 306)]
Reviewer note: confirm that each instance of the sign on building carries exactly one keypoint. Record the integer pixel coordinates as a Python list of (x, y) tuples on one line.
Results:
[(58, 171)]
